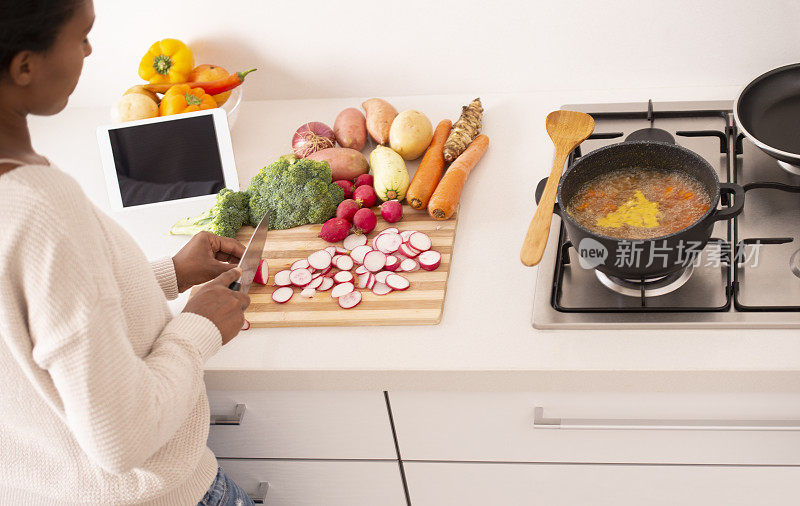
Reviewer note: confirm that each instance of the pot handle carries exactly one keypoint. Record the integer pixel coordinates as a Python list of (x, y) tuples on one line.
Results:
[(538, 195), (735, 209)]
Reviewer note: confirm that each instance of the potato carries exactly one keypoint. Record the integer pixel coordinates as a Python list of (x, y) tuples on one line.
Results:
[(143, 91), (380, 115), (411, 134), (345, 163), (133, 106), (350, 129)]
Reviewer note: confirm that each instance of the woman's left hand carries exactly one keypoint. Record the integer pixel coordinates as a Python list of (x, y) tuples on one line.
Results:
[(205, 257)]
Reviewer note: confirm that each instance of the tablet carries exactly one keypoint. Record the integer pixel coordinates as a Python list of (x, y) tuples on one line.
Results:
[(161, 160)]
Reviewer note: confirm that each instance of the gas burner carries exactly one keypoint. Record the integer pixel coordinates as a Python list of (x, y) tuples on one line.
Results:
[(651, 134), (652, 287), (788, 167)]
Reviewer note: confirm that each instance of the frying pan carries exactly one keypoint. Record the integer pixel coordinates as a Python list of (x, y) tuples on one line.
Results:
[(768, 113)]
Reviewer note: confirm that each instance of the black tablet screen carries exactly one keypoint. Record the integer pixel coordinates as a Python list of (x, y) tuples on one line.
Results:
[(167, 160)]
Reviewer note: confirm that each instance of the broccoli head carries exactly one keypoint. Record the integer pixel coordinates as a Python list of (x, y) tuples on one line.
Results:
[(294, 193), (230, 212)]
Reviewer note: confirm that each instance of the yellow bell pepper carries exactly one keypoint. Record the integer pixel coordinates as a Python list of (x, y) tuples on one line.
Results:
[(183, 98), (167, 61)]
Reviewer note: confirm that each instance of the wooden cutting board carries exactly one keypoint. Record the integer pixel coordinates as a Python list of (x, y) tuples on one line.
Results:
[(421, 304)]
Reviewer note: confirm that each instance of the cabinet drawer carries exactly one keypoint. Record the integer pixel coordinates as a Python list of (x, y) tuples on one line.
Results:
[(500, 427), (331, 425), (481, 484), (316, 483)]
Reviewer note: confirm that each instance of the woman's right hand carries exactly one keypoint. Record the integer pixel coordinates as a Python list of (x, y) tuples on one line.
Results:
[(223, 306)]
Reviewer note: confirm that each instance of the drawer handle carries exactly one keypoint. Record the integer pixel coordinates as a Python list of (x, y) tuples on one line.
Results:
[(236, 419), (260, 497), (540, 422)]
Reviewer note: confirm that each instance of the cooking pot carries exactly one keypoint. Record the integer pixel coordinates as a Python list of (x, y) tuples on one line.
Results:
[(643, 258)]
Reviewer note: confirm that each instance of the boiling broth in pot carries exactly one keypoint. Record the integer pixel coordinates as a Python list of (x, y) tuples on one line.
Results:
[(639, 203)]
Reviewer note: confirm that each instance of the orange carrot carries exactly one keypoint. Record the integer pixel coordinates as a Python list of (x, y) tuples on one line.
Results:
[(445, 199), (430, 168)]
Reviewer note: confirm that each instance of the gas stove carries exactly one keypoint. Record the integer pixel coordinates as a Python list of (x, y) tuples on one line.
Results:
[(747, 276)]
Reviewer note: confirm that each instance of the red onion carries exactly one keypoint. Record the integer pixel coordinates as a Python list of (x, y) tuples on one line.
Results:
[(312, 137)]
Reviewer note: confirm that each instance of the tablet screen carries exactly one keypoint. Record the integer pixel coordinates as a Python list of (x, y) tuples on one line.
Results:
[(168, 160)]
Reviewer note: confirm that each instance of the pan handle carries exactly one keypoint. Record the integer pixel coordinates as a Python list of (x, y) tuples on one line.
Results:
[(538, 195), (738, 201)]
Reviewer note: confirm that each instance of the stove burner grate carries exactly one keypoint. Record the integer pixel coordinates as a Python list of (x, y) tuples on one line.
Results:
[(649, 287)]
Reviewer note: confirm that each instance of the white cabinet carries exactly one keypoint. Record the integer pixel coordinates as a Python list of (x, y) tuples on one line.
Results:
[(496, 484), (280, 424), (463, 426), (320, 483)]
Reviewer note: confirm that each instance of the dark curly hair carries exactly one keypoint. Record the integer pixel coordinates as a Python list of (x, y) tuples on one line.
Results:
[(31, 25)]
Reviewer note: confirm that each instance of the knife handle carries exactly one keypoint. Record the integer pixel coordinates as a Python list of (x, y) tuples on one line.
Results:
[(235, 286)]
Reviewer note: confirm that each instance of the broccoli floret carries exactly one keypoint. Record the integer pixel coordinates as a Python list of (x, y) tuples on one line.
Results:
[(294, 193), (230, 212)]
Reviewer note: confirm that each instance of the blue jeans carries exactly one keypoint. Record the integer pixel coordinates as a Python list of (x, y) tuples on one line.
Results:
[(224, 492)]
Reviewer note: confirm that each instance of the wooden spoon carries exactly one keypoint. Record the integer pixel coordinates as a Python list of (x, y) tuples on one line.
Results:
[(567, 129)]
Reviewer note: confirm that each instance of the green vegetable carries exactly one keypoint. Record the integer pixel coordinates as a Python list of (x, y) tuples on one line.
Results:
[(225, 219), (294, 193)]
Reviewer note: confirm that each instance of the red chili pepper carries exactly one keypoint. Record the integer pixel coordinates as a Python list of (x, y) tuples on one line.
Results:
[(211, 87)]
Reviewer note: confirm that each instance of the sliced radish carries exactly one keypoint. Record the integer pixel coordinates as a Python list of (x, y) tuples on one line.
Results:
[(420, 241), (392, 263), (343, 277), (342, 289), (390, 230), (331, 250), (430, 260), (363, 280), (381, 289), (300, 264), (371, 281), (282, 294), (354, 240), (300, 277), (374, 261), (409, 265), (350, 300), (262, 273), (308, 292), (359, 253), (388, 243), (246, 325), (405, 234), (397, 282), (329, 274), (361, 270), (381, 276), (344, 263), (282, 278), (408, 251), (320, 259), (315, 282), (336, 259), (342, 251), (327, 284)]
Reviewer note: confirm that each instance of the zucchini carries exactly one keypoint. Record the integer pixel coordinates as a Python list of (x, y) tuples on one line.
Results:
[(391, 179)]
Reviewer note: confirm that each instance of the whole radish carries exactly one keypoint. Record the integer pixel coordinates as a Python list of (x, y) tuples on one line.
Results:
[(364, 179), (335, 229), (365, 195), (347, 209), (347, 186), (364, 221), (392, 211)]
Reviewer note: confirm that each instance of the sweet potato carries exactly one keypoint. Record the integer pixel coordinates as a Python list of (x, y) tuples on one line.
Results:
[(350, 129), (345, 163), (380, 115)]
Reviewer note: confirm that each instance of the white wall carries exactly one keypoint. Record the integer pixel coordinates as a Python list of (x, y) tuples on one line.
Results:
[(318, 49)]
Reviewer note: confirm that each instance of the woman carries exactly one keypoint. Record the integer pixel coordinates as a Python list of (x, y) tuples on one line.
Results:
[(102, 398)]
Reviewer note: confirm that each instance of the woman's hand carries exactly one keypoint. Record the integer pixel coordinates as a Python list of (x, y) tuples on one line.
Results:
[(223, 306), (205, 257)]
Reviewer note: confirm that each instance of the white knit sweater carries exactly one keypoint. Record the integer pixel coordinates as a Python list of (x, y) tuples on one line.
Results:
[(102, 398)]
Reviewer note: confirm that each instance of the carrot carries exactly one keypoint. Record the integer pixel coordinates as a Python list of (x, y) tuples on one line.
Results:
[(430, 168), (448, 192)]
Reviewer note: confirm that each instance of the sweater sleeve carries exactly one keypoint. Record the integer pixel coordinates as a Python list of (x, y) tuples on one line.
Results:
[(164, 269)]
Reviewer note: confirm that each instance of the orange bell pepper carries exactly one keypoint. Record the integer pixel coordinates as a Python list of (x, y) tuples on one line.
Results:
[(183, 98)]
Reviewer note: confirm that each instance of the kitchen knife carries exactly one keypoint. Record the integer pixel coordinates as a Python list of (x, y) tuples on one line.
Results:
[(252, 257)]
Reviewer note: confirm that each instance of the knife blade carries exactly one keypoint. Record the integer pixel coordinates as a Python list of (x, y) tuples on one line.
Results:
[(252, 256)]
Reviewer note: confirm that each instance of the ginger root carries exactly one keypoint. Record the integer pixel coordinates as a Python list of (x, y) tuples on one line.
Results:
[(464, 130)]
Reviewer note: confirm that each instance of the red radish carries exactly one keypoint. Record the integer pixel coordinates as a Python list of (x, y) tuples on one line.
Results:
[(388, 243), (390, 230), (430, 260), (408, 251), (307, 292), (327, 284), (358, 253), (392, 211), (364, 221), (353, 240), (246, 325), (282, 278), (371, 281), (419, 241), (364, 179), (331, 250), (347, 186), (300, 264), (336, 259), (361, 270), (405, 234), (343, 277), (316, 282), (335, 229), (397, 282), (282, 294), (312, 137), (381, 276), (409, 265), (392, 263), (365, 195), (374, 261), (381, 289), (342, 251), (347, 208), (324, 271), (329, 274), (262, 273), (300, 277), (344, 263), (320, 259), (342, 289), (350, 300), (363, 280)]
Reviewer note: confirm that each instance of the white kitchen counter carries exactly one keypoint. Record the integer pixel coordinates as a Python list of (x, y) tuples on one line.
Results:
[(485, 340)]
